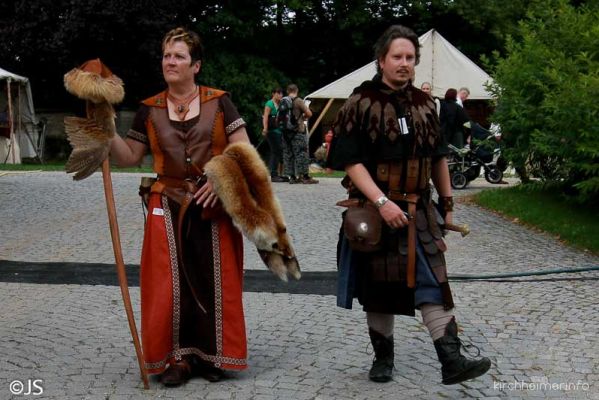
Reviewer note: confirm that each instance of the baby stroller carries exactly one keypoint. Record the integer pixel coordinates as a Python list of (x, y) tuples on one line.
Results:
[(465, 164)]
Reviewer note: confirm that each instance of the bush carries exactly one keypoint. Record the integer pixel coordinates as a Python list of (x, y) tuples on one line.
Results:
[(547, 88)]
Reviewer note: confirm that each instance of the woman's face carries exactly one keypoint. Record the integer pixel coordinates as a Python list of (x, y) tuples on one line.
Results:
[(177, 67)]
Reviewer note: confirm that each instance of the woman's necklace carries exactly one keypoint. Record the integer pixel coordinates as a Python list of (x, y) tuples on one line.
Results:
[(182, 106)]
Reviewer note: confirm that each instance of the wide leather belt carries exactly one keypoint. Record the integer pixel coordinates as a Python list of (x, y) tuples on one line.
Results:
[(411, 175), (190, 185)]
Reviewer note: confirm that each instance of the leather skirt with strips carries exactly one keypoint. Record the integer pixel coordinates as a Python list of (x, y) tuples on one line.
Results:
[(379, 279)]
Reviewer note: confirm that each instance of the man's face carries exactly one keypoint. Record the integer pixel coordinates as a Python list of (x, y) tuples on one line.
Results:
[(397, 67), (177, 67), (463, 95)]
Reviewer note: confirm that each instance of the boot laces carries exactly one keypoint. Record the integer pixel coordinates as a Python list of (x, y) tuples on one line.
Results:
[(467, 346), (369, 349)]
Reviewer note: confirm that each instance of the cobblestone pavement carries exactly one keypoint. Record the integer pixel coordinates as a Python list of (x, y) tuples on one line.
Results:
[(541, 334)]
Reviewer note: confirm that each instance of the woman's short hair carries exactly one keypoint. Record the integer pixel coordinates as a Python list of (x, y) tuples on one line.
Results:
[(381, 47), (192, 39)]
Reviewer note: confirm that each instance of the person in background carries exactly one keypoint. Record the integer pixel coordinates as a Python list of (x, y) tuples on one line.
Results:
[(273, 134), (387, 140), (295, 140), (427, 88), (453, 119), (462, 96)]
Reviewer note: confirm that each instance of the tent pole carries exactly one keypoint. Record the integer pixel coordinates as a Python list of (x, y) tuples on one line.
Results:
[(324, 111), (433, 61), (26, 130), (10, 121)]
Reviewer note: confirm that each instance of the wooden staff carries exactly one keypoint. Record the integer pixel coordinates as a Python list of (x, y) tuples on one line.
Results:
[(120, 266)]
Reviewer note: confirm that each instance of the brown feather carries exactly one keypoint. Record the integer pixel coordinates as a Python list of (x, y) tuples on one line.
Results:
[(90, 139)]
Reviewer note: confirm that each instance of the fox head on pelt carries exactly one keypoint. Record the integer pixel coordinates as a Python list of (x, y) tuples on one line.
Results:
[(279, 256), (241, 181)]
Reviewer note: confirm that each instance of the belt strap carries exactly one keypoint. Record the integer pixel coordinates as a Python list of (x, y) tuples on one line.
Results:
[(186, 184), (189, 187), (411, 199), (187, 200)]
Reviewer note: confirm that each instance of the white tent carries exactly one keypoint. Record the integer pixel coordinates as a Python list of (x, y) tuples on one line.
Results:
[(19, 136), (441, 64)]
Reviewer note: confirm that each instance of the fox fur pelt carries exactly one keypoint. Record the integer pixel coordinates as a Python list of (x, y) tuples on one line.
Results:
[(241, 181)]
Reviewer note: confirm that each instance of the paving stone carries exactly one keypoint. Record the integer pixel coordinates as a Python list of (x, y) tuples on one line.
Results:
[(76, 338)]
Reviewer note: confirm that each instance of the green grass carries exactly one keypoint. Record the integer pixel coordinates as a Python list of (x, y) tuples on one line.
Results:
[(334, 174), (32, 167), (548, 211), (60, 167)]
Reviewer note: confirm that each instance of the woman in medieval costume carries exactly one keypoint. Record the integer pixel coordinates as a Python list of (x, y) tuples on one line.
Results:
[(191, 267), (386, 137)]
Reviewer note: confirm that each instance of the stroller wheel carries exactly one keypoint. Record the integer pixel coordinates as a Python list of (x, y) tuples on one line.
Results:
[(493, 175), (458, 180)]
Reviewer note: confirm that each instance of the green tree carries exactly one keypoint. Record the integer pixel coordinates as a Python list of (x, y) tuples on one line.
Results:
[(250, 46), (547, 88)]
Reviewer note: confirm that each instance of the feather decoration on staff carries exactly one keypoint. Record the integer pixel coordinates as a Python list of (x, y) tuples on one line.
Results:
[(90, 137)]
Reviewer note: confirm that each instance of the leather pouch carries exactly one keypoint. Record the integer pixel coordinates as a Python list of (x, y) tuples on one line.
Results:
[(363, 226)]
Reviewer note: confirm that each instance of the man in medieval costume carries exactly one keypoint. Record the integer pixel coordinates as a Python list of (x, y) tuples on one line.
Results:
[(387, 140)]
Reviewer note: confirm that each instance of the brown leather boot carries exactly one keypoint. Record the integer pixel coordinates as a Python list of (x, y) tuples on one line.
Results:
[(176, 374), (206, 370)]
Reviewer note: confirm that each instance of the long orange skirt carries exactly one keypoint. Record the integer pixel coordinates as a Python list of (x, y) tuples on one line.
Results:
[(172, 323)]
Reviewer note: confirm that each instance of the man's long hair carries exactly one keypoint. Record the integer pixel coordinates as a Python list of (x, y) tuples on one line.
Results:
[(381, 47)]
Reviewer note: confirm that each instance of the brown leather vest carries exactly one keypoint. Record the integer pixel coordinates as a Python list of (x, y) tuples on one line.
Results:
[(185, 153), (181, 156)]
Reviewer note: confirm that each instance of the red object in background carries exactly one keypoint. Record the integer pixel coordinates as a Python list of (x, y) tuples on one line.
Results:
[(328, 138)]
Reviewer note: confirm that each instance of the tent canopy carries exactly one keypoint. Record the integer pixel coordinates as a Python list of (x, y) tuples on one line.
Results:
[(441, 64), (18, 121)]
